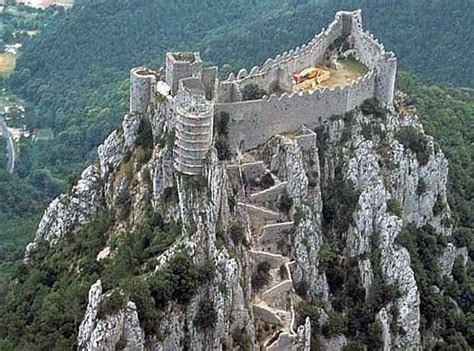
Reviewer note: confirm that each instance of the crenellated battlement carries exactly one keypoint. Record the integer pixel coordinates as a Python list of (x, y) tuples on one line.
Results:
[(283, 108)]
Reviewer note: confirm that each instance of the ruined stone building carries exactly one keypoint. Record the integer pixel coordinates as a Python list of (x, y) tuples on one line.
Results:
[(196, 98)]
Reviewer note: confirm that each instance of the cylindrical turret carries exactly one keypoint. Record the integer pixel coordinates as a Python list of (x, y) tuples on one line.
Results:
[(194, 126), (142, 83), (386, 73)]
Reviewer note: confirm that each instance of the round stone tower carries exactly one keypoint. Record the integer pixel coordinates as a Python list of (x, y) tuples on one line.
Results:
[(386, 69), (142, 84), (194, 126)]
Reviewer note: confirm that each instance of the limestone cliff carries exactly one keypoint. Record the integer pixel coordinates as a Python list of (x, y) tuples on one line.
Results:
[(290, 246)]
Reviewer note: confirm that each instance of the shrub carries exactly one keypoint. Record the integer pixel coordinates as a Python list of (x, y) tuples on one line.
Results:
[(459, 274), (252, 92), (421, 187), (206, 315), (267, 181), (169, 140), (393, 207), (340, 199), (198, 182), (222, 131), (353, 345), (336, 325), (144, 135), (222, 123), (223, 149), (112, 303), (327, 257), (285, 202), (242, 339), (373, 107), (374, 336), (413, 140), (207, 271), (237, 232), (178, 282), (261, 276), (366, 131), (438, 206), (311, 311)]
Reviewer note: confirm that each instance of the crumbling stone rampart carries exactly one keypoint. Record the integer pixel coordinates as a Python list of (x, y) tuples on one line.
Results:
[(251, 123)]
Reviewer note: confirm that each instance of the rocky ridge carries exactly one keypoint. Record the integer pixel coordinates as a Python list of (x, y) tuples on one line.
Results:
[(274, 224)]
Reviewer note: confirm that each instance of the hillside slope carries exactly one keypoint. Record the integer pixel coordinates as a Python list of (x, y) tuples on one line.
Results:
[(73, 76), (341, 242)]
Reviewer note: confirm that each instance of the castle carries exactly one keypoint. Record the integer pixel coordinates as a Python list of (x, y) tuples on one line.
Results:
[(198, 100)]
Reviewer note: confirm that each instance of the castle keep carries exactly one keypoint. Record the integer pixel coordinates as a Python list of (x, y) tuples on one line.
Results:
[(357, 64)]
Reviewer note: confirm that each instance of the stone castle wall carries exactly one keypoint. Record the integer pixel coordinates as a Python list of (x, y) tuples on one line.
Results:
[(254, 122), (251, 123), (278, 69)]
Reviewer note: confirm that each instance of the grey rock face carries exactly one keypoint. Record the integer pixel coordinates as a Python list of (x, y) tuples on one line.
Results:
[(111, 153), (208, 211), (122, 328), (69, 212)]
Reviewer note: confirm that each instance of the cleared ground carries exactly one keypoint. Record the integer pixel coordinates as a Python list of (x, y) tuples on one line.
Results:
[(346, 72), (46, 3), (7, 64)]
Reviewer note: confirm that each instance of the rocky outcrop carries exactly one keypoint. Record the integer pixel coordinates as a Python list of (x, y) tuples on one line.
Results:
[(69, 212), (446, 261), (266, 209), (119, 330)]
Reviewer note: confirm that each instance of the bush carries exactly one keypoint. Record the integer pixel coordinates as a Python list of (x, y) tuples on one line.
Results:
[(242, 339), (223, 149), (267, 181), (340, 199), (112, 303), (336, 325), (198, 182), (393, 207), (237, 232), (374, 336), (206, 315), (421, 187), (253, 92), (311, 311), (206, 271), (438, 206), (354, 345), (261, 276), (373, 107), (178, 282), (366, 131), (285, 202), (222, 123), (413, 140)]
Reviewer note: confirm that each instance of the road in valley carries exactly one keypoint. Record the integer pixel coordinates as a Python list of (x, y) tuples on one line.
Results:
[(10, 148)]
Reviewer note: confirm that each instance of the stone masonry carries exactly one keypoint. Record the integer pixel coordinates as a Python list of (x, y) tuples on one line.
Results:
[(195, 96)]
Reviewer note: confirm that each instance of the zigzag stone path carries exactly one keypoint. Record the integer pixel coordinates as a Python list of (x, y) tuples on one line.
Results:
[(273, 305)]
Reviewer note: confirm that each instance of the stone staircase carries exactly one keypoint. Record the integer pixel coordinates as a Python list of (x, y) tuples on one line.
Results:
[(273, 304)]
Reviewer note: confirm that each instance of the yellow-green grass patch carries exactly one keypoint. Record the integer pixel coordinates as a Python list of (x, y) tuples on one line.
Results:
[(7, 64)]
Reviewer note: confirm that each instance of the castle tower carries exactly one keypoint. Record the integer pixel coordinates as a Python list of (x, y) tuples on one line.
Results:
[(142, 85), (180, 65), (194, 126), (386, 73)]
